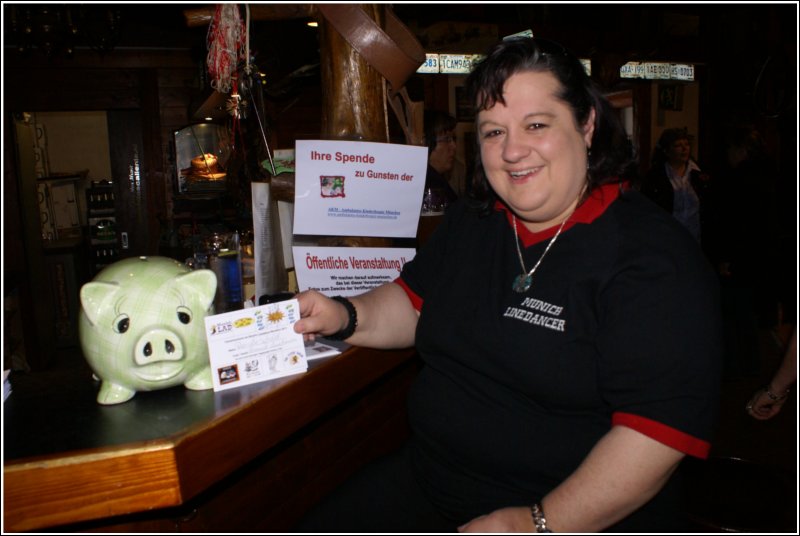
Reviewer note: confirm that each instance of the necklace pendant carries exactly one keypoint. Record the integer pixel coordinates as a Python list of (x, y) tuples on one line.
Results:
[(522, 283)]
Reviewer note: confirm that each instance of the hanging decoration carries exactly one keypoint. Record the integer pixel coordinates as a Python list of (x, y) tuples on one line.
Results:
[(227, 45), (231, 71)]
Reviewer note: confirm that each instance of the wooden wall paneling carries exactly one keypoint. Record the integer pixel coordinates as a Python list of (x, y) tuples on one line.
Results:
[(29, 268), (298, 119), (154, 176), (67, 89), (127, 167), (187, 77)]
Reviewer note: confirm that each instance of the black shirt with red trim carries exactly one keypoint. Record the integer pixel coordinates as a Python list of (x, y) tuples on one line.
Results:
[(620, 327)]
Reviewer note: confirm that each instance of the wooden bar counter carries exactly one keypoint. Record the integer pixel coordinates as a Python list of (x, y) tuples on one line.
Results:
[(250, 459)]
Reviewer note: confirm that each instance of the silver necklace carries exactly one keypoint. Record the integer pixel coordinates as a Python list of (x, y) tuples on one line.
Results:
[(523, 281)]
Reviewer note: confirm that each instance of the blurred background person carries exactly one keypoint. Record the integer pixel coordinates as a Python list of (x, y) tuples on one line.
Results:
[(440, 137), (675, 181), (742, 240)]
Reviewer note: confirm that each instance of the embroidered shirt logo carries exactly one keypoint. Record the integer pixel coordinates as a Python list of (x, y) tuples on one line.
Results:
[(538, 313)]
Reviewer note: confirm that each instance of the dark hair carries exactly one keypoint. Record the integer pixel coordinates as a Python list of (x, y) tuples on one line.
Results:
[(612, 154), (436, 122), (665, 141)]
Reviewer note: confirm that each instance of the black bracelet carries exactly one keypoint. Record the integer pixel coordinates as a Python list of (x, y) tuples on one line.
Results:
[(352, 323)]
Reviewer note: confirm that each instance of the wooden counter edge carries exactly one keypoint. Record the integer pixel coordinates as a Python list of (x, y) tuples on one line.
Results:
[(89, 485), (102, 483)]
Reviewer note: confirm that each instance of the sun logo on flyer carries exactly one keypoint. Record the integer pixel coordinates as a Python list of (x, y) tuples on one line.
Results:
[(275, 316)]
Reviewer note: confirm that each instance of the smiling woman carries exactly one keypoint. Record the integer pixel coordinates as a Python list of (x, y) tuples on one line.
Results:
[(556, 406)]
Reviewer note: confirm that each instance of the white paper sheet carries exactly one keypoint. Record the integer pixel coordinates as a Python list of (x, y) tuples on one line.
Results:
[(254, 345), (347, 188)]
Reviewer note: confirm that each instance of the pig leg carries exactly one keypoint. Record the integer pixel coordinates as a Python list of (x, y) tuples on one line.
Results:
[(200, 381), (111, 393)]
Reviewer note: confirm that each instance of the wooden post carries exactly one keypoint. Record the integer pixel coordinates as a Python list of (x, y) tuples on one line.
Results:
[(353, 104)]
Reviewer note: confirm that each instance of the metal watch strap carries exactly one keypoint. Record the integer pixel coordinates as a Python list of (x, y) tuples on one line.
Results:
[(539, 520), (352, 322)]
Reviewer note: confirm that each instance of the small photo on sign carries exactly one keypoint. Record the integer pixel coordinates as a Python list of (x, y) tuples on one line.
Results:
[(228, 374), (331, 186)]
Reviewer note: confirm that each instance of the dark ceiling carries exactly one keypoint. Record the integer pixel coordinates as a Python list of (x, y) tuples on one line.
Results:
[(674, 32)]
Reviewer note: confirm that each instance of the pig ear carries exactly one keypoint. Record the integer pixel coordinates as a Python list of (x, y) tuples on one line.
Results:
[(96, 297), (200, 282)]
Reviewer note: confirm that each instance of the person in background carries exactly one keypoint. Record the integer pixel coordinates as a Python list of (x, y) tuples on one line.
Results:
[(742, 241), (440, 138), (746, 248), (568, 367), (675, 182), (768, 401)]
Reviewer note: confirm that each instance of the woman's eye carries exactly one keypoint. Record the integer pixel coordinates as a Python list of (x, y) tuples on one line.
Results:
[(491, 133), (536, 126)]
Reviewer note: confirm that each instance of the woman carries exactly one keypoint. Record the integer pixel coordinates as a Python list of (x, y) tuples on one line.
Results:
[(676, 183), (441, 140), (568, 329)]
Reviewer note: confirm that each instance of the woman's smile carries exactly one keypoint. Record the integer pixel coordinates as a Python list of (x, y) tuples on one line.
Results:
[(524, 173)]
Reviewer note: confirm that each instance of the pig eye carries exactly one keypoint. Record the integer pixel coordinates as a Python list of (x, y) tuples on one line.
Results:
[(184, 315), (122, 323)]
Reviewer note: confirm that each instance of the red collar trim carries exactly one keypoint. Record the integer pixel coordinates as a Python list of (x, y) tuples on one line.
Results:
[(591, 209)]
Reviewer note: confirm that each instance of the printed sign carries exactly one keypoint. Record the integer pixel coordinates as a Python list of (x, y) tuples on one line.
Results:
[(348, 271), (345, 188)]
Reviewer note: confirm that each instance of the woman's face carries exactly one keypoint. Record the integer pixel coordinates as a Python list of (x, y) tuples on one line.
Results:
[(533, 152), (678, 152)]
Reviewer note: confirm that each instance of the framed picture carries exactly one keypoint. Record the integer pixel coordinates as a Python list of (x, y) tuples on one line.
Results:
[(670, 97)]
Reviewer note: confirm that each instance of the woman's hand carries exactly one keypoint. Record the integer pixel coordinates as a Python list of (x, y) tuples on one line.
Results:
[(763, 407), (385, 315), (319, 315), (514, 519)]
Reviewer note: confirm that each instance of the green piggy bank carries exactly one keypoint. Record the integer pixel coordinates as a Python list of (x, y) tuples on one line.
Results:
[(141, 327)]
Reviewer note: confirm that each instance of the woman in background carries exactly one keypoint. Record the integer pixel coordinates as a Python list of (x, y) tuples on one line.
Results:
[(676, 183)]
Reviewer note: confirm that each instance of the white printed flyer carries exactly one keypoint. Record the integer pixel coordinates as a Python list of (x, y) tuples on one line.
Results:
[(255, 344), (349, 188), (347, 271)]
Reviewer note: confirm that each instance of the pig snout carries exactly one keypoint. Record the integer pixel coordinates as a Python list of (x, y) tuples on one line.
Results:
[(158, 345)]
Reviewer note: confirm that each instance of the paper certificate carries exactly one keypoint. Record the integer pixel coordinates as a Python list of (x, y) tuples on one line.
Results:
[(254, 345), (349, 188), (347, 271)]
